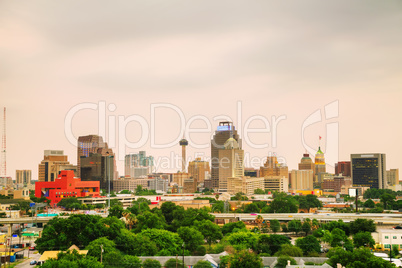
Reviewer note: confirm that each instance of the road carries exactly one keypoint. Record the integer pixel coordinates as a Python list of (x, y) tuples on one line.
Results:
[(32, 257)]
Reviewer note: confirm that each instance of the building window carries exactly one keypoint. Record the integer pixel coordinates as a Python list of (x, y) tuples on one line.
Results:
[(386, 237), (387, 246), (394, 237)]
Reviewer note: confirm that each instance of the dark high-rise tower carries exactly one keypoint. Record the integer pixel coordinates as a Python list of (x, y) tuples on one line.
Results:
[(87, 145), (224, 131), (368, 170)]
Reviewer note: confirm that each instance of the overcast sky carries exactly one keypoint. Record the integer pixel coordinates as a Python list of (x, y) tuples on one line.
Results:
[(273, 58)]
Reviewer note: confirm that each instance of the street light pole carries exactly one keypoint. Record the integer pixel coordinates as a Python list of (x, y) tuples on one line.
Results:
[(183, 254)]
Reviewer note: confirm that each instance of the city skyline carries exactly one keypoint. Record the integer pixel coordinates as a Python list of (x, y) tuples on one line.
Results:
[(272, 59)]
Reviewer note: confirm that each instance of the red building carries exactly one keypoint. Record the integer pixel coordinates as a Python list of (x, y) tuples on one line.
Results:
[(66, 186), (344, 168)]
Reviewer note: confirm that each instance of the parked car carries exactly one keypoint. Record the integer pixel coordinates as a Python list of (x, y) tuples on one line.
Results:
[(398, 227), (31, 248), (33, 262)]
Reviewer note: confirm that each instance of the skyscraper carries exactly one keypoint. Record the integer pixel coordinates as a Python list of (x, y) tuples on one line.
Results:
[(393, 177), (198, 169), (369, 170), (319, 165), (224, 131), (23, 176), (343, 168), (97, 167), (90, 144), (273, 168), (302, 180), (138, 165), (231, 164), (306, 163), (53, 162)]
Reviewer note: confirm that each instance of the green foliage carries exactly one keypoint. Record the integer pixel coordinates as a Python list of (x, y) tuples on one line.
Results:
[(174, 263), (167, 209), (244, 259), (228, 227), (72, 260), (211, 232), (150, 263), (337, 224), (251, 208), (70, 203), (203, 264), (283, 203), (363, 239), (116, 211), (295, 226), (131, 262), (79, 230), (274, 225), (290, 250), (168, 243), (369, 204), (200, 251), (282, 261), (133, 244), (387, 199), (306, 227), (308, 201), (191, 237), (362, 225), (271, 243), (125, 192), (308, 244), (187, 217), (94, 248), (374, 193), (394, 252), (239, 197), (149, 220), (284, 228), (243, 240), (337, 237), (141, 191), (360, 257), (259, 191)]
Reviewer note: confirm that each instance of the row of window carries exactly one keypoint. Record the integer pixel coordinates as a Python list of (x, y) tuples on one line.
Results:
[(389, 246), (394, 237)]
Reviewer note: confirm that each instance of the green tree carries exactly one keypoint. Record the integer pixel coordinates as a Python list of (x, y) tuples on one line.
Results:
[(95, 247), (168, 243), (245, 259), (72, 260), (337, 237), (251, 208), (174, 263), (274, 225), (283, 204), (70, 203), (308, 244), (394, 252), (290, 250), (259, 191), (131, 262), (295, 226), (363, 239), (369, 204), (203, 264), (228, 227), (167, 211), (138, 245), (191, 237), (361, 257), (149, 220), (116, 211), (282, 261), (243, 240), (210, 231), (387, 199), (306, 227), (271, 243), (362, 225), (79, 230), (150, 263)]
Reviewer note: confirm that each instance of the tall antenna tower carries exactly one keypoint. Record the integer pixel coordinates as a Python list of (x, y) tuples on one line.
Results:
[(3, 147)]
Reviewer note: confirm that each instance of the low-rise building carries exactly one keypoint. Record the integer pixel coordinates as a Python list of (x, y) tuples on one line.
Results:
[(245, 185)]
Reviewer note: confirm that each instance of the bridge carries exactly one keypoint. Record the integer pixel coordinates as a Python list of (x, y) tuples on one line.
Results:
[(379, 219)]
